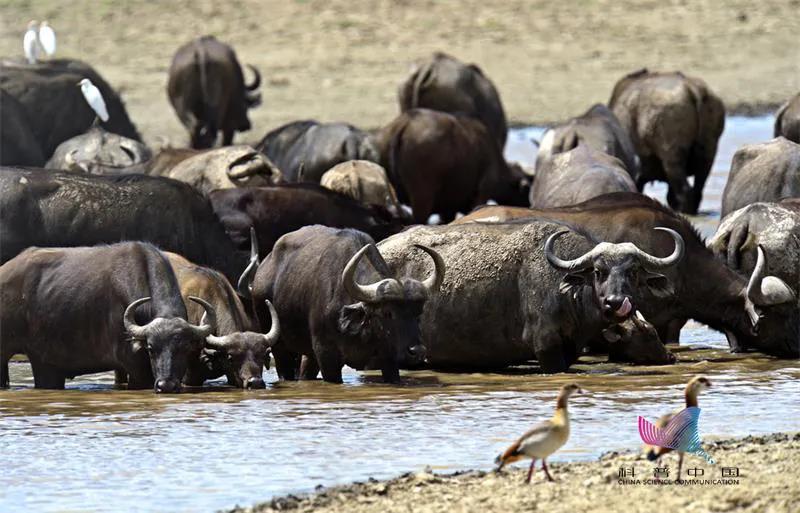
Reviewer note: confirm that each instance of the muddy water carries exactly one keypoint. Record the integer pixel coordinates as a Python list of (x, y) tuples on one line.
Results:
[(95, 448)]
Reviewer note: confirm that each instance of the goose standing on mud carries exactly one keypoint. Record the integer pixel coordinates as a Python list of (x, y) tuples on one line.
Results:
[(693, 388), (544, 439)]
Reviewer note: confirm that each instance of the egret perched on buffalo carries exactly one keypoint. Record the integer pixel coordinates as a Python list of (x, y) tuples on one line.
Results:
[(30, 43), (94, 98), (47, 38)]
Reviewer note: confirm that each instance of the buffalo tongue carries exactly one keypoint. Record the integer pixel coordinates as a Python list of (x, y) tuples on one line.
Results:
[(624, 309)]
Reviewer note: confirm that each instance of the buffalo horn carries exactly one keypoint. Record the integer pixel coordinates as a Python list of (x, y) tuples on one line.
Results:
[(434, 281), (129, 320), (208, 325)]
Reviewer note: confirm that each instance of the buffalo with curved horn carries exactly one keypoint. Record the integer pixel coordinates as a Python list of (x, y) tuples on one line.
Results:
[(365, 317)]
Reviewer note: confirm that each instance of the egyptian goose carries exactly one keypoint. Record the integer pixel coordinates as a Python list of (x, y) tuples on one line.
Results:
[(693, 388), (544, 439)]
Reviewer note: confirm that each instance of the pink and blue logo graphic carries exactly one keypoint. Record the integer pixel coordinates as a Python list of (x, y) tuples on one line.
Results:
[(680, 433)]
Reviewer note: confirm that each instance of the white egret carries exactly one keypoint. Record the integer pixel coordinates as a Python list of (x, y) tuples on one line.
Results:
[(47, 38), (30, 43), (93, 97)]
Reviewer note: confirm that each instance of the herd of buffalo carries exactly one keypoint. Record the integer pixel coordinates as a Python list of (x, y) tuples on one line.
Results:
[(188, 264)]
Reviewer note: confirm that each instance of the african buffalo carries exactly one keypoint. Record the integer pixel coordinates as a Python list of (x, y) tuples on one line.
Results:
[(18, 144), (768, 171), (445, 164), (787, 120), (97, 309), (446, 84), (759, 313), (51, 208), (578, 175), (339, 312), (98, 150), (304, 150), (280, 209), (207, 90), (507, 297), (56, 110), (365, 182), (225, 168), (234, 350), (597, 128), (774, 227), (635, 341), (675, 122)]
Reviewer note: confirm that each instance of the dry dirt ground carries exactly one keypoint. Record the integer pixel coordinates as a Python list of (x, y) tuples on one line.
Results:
[(767, 483), (342, 60)]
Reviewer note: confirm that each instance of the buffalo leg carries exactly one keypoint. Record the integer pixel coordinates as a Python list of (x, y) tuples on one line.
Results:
[(120, 377), (46, 376), (670, 333), (700, 162), (329, 361), (285, 363), (5, 381), (309, 368), (679, 195), (227, 137)]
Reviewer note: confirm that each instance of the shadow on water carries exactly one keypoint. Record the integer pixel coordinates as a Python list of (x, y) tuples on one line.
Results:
[(93, 447)]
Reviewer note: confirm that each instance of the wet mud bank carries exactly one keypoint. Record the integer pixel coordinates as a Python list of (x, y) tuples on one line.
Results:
[(755, 474)]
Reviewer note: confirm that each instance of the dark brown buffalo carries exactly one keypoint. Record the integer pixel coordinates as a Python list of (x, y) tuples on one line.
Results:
[(757, 313), (635, 341), (768, 171), (76, 311), (787, 120), (675, 122), (54, 209), (304, 150), (235, 349), (207, 90), (578, 175), (54, 106), (280, 209), (18, 144), (338, 312), (597, 128), (444, 164), (446, 84), (99, 152)]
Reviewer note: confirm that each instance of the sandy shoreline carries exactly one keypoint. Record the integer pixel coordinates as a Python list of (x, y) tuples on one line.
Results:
[(766, 482), (342, 60)]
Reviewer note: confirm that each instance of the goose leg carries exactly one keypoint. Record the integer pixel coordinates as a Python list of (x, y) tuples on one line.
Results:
[(530, 471), (547, 472)]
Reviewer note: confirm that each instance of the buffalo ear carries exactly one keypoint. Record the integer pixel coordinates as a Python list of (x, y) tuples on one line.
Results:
[(574, 279), (659, 284), (612, 334), (352, 318)]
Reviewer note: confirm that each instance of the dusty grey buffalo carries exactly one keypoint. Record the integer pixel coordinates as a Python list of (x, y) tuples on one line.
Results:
[(304, 150), (99, 152), (340, 305), (98, 309), (511, 294), (675, 122), (207, 90), (597, 128), (446, 84), (768, 171), (365, 182), (236, 349), (578, 175), (225, 168), (773, 227), (54, 106), (787, 120)]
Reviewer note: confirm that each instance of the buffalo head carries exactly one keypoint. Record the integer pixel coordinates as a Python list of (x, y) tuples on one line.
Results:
[(386, 313), (616, 272), (243, 355), (170, 342), (636, 341)]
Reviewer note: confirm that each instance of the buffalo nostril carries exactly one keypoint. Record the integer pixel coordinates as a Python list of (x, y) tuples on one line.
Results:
[(255, 383), (417, 351)]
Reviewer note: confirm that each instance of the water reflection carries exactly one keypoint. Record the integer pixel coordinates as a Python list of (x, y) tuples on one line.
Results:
[(92, 447)]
